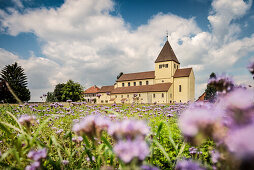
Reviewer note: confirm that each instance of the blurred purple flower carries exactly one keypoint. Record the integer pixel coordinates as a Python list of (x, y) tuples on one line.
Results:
[(37, 155), (27, 120), (91, 125), (241, 141), (128, 129), (222, 83), (148, 167), (188, 165), (195, 119), (33, 166), (65, 162), (128, 150)]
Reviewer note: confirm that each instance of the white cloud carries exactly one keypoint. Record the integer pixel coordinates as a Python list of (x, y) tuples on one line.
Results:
[(91, 46)]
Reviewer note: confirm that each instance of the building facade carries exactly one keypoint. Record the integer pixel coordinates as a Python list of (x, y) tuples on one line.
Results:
[(168, 83), (90, 94)]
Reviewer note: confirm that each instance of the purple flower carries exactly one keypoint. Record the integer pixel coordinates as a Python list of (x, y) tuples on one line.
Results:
[(33, 166), (37, 155), (222, 83), (27, 120), (128, 150), (128, 129), (215, 156), (188, 165), (241, 141), (91, 126), (148, 167), (65, 162), (59, 131), (194, 119)]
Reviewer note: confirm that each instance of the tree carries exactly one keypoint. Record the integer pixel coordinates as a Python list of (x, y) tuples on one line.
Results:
[(210, 92), (14, 79), (58, 92), (72, 91), (51, 97)]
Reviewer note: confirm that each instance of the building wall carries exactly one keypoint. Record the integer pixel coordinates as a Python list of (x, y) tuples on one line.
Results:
[(192, 86), (182, 96), (164, 75), (103, 99), (150, 81)]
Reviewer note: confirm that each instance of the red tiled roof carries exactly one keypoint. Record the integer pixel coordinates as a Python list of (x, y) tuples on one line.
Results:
[(93, 89), (166, 54), (141, 89), (137, 76), (105, 89), (183, 72)]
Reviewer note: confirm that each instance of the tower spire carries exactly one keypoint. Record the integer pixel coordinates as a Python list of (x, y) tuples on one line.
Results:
[(167, 34)]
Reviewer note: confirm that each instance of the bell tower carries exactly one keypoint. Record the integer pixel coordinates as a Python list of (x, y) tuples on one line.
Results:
[(166, 64)]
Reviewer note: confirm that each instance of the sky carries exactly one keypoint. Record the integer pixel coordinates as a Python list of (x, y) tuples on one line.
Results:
[(92, 41)]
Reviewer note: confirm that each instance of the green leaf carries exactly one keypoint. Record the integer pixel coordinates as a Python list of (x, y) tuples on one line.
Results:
[(106, 142), (10, 126), (14, 118), (162, 150)]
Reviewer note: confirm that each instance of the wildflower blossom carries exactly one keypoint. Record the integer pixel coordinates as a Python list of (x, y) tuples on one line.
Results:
[(188, 165), (37, 155), (27, 120), (241, 142), (148, 167), (128, 129), (91, 126), (65, 162), (33, 166), (128, 150), (223, 84)]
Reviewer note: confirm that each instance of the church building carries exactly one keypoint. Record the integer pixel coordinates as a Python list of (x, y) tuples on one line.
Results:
[(168, 83)]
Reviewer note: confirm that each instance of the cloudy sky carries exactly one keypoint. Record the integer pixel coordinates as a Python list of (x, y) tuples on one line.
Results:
[(91, 41)]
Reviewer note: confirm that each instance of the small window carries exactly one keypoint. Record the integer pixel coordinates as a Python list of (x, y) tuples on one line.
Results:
[(160, 66), (180, 101), (127, 95), (170, 101), (140, 83), (134, 83), (129, 84), (180, 88), (162, 81), (106, 101), (174, 65), (153, 95), (162, 95), (170, 95), (102, 101), (166, 65), (177, 66), (147, 82), (116, 96), (122, 84), (121, 96), (139, 95)]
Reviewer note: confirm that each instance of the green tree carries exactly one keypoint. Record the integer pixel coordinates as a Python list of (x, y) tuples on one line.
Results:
[(14, 76), (58, 92), (51, 97), (210, 92), (72, 91)]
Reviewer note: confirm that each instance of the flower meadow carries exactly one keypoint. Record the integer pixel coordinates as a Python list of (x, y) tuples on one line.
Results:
[(181, 136)]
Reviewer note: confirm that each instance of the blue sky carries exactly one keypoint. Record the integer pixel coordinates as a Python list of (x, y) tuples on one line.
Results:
[(56, 40)]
